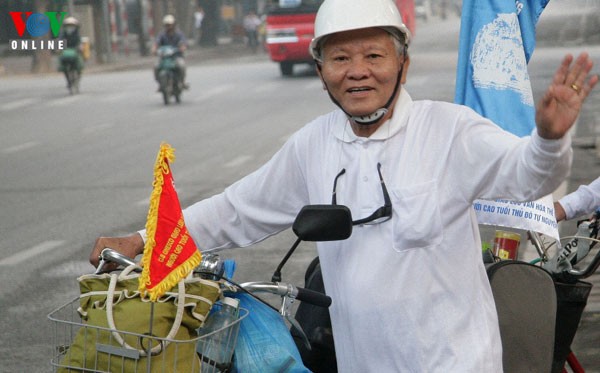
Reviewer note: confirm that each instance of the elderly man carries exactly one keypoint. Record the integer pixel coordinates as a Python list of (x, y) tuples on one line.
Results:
[(409, 289)]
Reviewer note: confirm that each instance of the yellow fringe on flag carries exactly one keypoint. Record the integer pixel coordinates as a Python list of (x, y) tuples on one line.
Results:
[(166, 152)]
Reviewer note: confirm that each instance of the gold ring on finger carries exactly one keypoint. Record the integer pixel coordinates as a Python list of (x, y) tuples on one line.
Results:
[(575, 87)]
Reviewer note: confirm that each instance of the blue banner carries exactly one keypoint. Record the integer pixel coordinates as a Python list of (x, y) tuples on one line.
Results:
[(497, 39)]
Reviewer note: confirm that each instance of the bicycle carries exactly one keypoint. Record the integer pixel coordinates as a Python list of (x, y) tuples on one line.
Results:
[(540, 303), (572, 292), (314, 223)]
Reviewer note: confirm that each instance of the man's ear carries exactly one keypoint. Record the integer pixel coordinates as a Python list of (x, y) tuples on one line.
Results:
[(405, 69), (318, 69)]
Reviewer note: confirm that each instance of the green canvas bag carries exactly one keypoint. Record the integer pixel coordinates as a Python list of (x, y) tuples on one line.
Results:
[(117, 334)]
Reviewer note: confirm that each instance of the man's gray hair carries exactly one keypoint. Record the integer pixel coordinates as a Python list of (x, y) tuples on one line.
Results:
[(398, 38)]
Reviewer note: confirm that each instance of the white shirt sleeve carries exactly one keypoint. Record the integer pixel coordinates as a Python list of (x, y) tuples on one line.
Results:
[(522, 169), (582, 201)]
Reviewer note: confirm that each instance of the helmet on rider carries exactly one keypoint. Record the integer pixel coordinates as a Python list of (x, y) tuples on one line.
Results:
[(71, 21), (71, 25), (346, 15), (168, 20)]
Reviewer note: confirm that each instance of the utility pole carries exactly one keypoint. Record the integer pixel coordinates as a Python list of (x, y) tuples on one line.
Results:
[(101, 22), (210, 24), (42, 59), (142, 27)]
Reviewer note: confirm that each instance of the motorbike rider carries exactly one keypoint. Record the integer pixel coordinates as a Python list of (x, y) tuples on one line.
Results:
[(174, 37), (409, 288), (70, 33)]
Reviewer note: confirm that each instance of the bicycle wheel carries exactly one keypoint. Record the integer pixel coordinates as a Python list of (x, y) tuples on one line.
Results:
[(166, 87)]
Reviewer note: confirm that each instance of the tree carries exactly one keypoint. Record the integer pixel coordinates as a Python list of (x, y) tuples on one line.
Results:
[(42, 59), (210, 24)]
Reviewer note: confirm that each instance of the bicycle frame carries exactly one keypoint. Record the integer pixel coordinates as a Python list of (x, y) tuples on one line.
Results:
[(574, 292)]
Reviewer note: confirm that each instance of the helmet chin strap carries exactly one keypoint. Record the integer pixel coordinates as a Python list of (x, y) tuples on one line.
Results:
[(374, 117)]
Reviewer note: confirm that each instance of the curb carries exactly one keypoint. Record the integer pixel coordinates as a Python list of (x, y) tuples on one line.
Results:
[(20, 66)]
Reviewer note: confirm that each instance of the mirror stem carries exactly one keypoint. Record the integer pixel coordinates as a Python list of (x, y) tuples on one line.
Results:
[(277, 274)]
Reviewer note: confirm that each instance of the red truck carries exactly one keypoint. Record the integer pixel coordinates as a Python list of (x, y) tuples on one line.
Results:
[(290, 28)]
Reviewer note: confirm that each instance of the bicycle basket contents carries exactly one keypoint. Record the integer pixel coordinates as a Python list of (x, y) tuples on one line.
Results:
[(117, 335)]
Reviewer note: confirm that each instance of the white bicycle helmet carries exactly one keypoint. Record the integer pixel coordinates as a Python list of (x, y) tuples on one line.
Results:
[(345, 15)]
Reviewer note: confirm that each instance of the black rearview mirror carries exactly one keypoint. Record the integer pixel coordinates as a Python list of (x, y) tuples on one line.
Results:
[(318, 223), (323, 223)]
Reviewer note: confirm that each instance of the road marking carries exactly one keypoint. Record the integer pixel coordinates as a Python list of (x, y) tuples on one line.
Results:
[(30, 253), (146, 201), (206, 94), (116, 97), (17, 104), (63, 101), (164, 109), (73, 268), (267, 87), (143, 202), (97, 128), (20, 147), (237, 161), (313, 85)]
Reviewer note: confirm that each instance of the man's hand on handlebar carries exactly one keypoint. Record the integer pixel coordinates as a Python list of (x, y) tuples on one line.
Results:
[(129, 246)]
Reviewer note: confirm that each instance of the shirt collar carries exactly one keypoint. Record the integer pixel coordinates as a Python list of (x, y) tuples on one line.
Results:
[(343, 131)]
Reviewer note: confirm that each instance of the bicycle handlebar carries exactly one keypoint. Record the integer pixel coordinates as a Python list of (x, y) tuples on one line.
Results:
[(313, 297), (288, 292), (574, 273), (284, 289), (278, 288), (109, 255), (588, 271)]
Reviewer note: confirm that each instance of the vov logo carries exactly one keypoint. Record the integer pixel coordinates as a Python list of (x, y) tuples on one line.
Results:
[(37, 25)]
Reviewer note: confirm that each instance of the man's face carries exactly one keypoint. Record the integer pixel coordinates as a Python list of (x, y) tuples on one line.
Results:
[(360, 69), (70, 29)]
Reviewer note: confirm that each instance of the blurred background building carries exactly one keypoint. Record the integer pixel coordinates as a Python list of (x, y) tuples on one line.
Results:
[(114, 29), (123, 27)]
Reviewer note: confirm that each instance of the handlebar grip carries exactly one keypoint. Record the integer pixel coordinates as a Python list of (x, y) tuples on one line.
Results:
[(313, 297)]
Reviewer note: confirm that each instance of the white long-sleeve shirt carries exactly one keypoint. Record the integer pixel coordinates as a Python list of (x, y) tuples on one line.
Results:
[(410, 294), (582, 201)]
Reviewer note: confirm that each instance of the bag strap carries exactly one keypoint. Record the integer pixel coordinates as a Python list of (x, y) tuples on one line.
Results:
[(111, 321)]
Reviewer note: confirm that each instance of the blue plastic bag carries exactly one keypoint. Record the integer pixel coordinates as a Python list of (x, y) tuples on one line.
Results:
[(264, 342)]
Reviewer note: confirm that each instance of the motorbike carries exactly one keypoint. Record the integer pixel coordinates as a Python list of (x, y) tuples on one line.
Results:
[(70, 64), (169, 79)]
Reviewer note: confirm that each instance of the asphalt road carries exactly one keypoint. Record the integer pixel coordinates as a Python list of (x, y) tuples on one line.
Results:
[(76, 167)]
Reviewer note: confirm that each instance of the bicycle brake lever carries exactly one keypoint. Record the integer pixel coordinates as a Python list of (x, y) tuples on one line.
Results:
[(286, 304), (100, 268)]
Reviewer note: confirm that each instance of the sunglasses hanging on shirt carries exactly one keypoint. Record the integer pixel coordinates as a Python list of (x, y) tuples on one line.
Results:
[(382, 214)]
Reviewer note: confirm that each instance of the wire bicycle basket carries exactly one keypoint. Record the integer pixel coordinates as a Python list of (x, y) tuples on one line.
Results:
[(103, 352)]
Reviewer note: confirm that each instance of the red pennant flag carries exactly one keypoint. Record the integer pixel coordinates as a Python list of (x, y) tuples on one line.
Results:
[(170, 253)]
